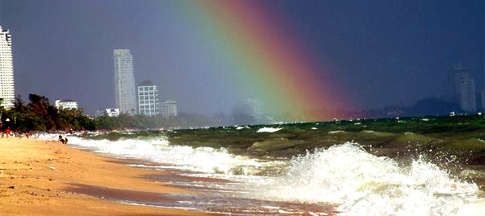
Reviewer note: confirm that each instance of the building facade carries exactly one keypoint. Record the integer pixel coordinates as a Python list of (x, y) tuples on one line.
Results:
[(168, 108), (464, 89), (6, 69), (125, 91), (66, 104), (148, 100)]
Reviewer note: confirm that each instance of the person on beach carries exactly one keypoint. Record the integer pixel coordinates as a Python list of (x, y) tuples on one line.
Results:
[(7, 131), (62, 139)]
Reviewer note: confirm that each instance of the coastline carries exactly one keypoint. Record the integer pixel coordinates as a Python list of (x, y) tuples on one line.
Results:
[(39, 177)]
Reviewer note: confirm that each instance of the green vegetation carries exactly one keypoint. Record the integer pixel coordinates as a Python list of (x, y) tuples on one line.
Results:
[(39, 115)]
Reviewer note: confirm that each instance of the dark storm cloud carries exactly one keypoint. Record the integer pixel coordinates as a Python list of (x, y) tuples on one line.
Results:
[(381, 52), (393, 52)]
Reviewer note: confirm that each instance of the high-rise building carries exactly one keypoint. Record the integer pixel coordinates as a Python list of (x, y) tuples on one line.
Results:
[(464, 89), (168, 108), (6, 69), (148, 101), (125, 91)]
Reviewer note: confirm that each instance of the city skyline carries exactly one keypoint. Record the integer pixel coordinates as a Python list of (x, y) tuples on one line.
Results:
[(360, 56)]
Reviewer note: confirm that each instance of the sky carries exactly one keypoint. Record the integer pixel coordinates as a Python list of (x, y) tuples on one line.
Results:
[(208, 55)]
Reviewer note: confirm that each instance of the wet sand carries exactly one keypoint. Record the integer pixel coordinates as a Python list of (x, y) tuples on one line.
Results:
[(48, 178)]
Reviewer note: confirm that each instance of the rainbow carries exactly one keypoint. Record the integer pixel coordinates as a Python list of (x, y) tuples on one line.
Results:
[(263, 61)]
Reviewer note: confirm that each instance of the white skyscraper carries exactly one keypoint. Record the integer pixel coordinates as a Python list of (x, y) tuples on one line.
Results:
[(125, 91), (6, 69), (148, 102)]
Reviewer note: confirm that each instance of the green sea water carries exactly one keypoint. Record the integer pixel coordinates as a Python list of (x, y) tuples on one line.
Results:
[(455, 143), (406, 166)]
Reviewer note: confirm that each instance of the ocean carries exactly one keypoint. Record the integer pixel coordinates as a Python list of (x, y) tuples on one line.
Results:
[(407, 166)]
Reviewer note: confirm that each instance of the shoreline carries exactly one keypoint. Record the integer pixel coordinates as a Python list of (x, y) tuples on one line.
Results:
[(39, 177)]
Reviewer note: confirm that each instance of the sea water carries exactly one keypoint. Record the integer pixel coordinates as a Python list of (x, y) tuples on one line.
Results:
[(343, 179)]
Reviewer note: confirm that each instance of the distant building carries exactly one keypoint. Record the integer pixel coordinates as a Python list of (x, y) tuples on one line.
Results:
[(249, 111), (125, 91), (66, 104), (112, 112), (148, 100), (6, 69), (256, 107), (99, 113), (482, 100), (168, 108), (464, 89)]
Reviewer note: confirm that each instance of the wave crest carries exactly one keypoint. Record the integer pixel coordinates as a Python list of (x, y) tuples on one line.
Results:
[(363, 184)]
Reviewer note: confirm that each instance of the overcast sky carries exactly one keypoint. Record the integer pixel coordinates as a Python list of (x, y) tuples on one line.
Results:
[(380, 52)]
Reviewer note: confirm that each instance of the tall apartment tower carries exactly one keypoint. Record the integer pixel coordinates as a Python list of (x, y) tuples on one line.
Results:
[(125, 91), (169, 108), (6, 69), (464, 89), (148, 101)]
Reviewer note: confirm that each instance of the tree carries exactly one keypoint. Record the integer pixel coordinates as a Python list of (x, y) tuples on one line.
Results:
[(39, 115)]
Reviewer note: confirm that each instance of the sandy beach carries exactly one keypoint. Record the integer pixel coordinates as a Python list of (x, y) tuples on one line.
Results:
[(40, 177)]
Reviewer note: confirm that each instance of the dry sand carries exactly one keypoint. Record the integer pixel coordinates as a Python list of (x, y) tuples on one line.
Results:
[(40, 177)]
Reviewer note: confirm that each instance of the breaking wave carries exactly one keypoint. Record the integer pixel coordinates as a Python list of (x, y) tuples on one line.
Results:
[(363, 184), (199, 159)]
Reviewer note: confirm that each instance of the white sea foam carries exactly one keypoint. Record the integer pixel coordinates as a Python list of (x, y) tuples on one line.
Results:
[(201, 159), (363, 184), (268, 130)]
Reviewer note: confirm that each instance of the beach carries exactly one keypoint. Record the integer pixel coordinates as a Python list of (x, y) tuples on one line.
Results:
[(390, 168), (39, 177)]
